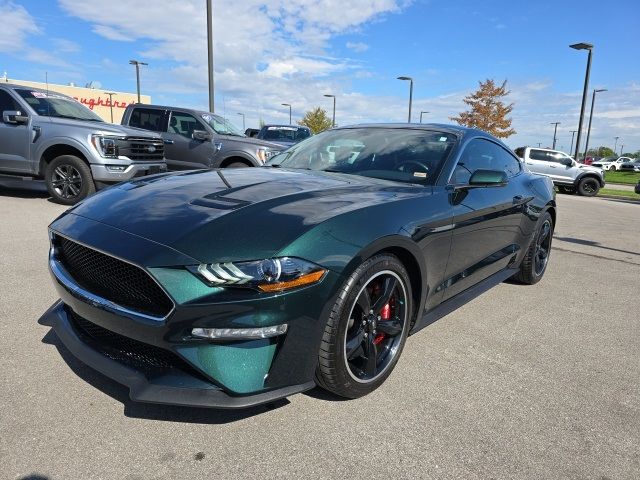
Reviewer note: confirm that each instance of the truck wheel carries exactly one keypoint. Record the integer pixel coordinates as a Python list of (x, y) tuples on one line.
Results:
[(588, 187), (68, 179)]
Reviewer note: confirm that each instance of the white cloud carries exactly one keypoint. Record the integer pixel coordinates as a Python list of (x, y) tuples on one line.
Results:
[(17, 25), (357, 46)]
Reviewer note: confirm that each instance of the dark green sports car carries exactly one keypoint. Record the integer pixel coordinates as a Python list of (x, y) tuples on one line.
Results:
[(229, 288)]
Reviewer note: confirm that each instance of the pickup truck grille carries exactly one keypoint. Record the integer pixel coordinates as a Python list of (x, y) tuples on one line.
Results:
[(142, 149)]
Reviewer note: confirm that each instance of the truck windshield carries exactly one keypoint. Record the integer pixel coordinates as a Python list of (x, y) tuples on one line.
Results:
[(221, 125), (51, 104)]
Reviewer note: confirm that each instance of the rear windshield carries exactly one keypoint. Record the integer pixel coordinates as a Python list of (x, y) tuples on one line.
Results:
[(286, 134), (51, 104)]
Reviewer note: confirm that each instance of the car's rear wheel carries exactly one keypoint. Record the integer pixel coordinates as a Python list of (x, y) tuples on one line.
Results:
[(68, 179), (588, 187), (612, 168), (536, 258), (367, 328)]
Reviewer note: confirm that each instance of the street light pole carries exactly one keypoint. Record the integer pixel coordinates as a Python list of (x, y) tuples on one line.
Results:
[(621, 149), (615, 144), (210, 54), (589, 47), (422, 113), (287, 105), (137, 64), (111, 94), (573, 132), (333, 122), (593, 100), (243, 125), (410, 94), (555, 131)]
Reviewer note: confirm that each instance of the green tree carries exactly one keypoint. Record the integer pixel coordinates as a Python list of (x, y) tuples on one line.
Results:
[(602, 152), (488, 112), (317, 120)]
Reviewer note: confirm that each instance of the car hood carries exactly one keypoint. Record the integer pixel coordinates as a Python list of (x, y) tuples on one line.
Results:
[(252, 141), (102, 127), (235, 214)]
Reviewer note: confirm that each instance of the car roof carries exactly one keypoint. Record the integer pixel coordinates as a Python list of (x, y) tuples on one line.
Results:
[(169, 107), (441, 127), (285, 126)]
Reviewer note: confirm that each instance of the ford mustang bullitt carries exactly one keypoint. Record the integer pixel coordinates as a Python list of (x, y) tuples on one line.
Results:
[(230, 288)]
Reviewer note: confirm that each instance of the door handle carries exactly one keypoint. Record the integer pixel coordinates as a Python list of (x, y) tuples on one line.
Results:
[(169, 142)]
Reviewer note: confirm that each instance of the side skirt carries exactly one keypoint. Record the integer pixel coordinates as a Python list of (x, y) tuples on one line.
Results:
[(462, 298)]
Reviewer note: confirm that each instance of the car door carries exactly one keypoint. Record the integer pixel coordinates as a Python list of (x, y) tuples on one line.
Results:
[(15, 138), (486, 221), (564, 171), (538, 162), (182, 151)]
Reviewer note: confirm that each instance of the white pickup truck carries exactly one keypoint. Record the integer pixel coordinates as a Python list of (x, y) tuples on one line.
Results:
[(567, 174)]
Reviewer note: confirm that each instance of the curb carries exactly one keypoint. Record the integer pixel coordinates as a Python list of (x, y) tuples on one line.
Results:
[(620, 197)]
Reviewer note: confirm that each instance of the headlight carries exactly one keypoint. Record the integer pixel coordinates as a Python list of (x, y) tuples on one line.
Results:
[(107, 147), (265, 154), (270, 275)]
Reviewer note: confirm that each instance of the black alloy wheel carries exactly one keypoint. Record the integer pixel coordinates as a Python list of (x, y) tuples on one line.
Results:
[(375, 328), (366, 329), (69, 179), (543, 248), (588, 187)]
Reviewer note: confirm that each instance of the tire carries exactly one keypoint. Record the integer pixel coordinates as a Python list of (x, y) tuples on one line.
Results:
[(349, 329), (531, 271), (68, 179), (612, 168), (237, 165), (588, 187), (566, 190)]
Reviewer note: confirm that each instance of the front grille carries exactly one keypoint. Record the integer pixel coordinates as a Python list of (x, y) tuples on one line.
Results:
[(138, 149), (110, 278), (152, 361)]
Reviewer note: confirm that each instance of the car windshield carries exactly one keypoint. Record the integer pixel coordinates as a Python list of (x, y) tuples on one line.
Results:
[(51, 104), (398, 154), (221, 125), (286, 134)]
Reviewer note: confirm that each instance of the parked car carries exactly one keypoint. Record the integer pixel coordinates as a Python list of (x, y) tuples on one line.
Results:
[(569, 175), (632, 166), (47, 135), (285, 135), (611, 163), (637, 187), (232, 289), (251, 132), (195, 139)]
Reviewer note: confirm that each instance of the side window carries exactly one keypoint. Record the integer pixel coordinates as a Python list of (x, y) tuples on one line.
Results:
[(480, 154), (7, 103), (539, 155), (183, 124), (147, 118)]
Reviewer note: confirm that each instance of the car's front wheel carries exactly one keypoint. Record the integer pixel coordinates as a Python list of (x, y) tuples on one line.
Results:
[(367, 328), (612, 168), (536, 258), (588, 187), (68, 179)]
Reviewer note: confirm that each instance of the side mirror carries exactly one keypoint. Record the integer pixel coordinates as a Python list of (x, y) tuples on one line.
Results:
[(487, 178), (14, 116), (201, 135), (566, 161)]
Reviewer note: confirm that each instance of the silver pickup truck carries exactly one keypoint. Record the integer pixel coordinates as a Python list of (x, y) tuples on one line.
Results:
[(47, 135)]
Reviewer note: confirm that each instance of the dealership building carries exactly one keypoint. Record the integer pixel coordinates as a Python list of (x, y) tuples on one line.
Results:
[(105, 103)]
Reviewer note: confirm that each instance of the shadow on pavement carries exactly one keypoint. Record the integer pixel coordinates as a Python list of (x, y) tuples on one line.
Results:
[(591, 243), (150, 411), (23, 189)]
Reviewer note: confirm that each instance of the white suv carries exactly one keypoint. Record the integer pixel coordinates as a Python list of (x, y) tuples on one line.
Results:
[(611, 163), (569, 175)]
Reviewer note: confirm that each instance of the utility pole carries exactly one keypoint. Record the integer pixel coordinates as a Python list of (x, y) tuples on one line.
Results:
[(555, 131), (137, 64), (111, 94), (210, 54), (589, 47), (573, 132)]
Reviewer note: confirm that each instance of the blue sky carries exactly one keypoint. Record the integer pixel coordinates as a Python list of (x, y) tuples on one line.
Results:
[(294, 51)]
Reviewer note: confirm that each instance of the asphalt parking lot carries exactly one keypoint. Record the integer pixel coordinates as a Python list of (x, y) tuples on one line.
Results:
[(524, 382)]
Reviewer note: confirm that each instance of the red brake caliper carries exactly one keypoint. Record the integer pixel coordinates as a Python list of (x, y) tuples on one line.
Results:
[(385, 314)]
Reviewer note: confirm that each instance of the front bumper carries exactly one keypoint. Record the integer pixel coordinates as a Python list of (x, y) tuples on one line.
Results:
[(223, 374), (174, 388), (102, 173)]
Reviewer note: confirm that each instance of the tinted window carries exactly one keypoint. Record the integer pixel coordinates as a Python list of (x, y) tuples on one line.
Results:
[(286, 134), (7, 103), (147, 118), (183, 124), (520, 152), (538, 155), (399, 154), (480, 154)]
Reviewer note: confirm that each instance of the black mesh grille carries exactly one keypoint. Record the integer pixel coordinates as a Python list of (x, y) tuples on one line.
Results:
[(142, 149), (149, 359), (113, 279)]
